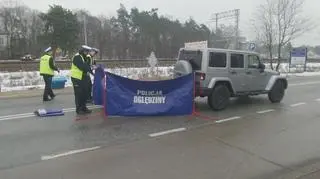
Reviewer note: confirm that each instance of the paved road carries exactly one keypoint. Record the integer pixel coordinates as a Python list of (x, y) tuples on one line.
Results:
[(251, 139)]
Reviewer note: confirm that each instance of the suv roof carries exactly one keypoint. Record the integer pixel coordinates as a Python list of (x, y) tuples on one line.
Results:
[(221, 50)]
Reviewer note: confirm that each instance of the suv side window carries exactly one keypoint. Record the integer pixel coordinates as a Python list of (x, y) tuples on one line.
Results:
[(218, 60), (253, 61), (237, 61)]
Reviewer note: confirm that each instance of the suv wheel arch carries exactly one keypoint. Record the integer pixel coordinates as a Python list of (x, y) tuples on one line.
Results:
[(273, 81), (277, 92), (217, 81)]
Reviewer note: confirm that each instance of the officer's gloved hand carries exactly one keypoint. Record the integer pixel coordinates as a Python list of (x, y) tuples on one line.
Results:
[(91, 72)]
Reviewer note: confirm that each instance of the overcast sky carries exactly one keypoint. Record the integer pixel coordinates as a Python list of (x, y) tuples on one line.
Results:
[(200, 10)]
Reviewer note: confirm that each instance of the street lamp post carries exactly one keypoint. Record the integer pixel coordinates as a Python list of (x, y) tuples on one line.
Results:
[(85, 29)]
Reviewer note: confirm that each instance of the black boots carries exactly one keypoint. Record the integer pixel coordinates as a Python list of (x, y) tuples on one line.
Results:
[(84, 111), (48, 99)]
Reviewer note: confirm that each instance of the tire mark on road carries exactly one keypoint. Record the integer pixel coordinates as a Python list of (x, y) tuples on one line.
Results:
[(252, 153)]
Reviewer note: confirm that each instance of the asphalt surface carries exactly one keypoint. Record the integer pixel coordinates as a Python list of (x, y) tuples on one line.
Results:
[(251, 139)]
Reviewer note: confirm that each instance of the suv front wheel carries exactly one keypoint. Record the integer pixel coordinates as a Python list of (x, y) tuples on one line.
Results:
[(277, 92), (219, 98)]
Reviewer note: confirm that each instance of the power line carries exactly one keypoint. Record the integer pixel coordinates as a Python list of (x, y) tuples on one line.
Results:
[(231, 14)]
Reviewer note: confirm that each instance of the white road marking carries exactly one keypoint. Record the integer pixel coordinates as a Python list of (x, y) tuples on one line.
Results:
[(167, 132), (22, 114), (49, 157), (297, 104), (228, 119), (306, 83), (16, 117), (265, 111), (28, 115)]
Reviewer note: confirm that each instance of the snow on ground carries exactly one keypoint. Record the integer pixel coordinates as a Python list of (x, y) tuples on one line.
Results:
[(312, 69), (32, 80), (284, 68), (15, 81), (304, 74)]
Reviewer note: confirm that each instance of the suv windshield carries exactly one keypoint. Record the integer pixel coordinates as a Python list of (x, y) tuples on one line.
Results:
[(193, 57)]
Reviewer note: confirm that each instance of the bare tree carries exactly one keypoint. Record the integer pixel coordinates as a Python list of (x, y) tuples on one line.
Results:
[(224, 36), (15, 20), (36, 26), (290, 23), (279, 22), (265, 28), (104, 37)]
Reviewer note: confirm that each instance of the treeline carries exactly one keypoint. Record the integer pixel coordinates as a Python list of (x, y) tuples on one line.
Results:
[(130, 34)]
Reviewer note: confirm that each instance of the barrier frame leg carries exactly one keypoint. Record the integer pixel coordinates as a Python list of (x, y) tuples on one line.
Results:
[(196, 113)]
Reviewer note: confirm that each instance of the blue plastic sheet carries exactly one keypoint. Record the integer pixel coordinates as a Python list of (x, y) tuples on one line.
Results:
[(98, 85), (49, 112)]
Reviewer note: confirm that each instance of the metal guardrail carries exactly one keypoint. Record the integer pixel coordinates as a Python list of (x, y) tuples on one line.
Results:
[(13, 66), (16, 65)]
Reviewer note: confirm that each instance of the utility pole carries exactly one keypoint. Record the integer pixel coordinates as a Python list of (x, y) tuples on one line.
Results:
[(237, 14), (85, 29), (217, 22)]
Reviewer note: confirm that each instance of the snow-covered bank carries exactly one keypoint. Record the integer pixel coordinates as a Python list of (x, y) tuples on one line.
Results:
[(302, 74), (32, 80), (284, 68)]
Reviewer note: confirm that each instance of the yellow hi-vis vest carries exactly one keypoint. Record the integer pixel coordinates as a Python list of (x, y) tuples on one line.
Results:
[(75, 71), (45, 66)]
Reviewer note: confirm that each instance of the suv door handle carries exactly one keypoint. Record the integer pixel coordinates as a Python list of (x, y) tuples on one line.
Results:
[(248, 72), (233, 72)]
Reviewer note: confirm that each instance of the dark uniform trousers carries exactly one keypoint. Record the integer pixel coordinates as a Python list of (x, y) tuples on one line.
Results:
[(80, 93), (47, 89), (89, 88)]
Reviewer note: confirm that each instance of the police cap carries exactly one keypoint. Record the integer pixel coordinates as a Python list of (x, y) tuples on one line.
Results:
[(84, 48), (95, 50), (48, 49)]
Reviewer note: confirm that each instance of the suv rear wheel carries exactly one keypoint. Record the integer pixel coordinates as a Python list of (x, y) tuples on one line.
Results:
[(277, 92), (219, 98)]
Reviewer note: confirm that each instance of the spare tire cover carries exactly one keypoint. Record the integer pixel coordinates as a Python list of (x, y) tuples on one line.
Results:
[(181, 68)]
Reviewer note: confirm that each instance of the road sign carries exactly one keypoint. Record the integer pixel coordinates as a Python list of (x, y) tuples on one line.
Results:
[(252, 46), (298, 56)]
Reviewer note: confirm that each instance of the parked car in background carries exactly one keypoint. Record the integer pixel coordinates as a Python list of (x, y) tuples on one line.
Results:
[(28, 57)]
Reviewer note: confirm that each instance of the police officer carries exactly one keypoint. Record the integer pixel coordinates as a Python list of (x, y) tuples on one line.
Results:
[(90, 61), (93, 52), (47, 69), (79, 70)]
